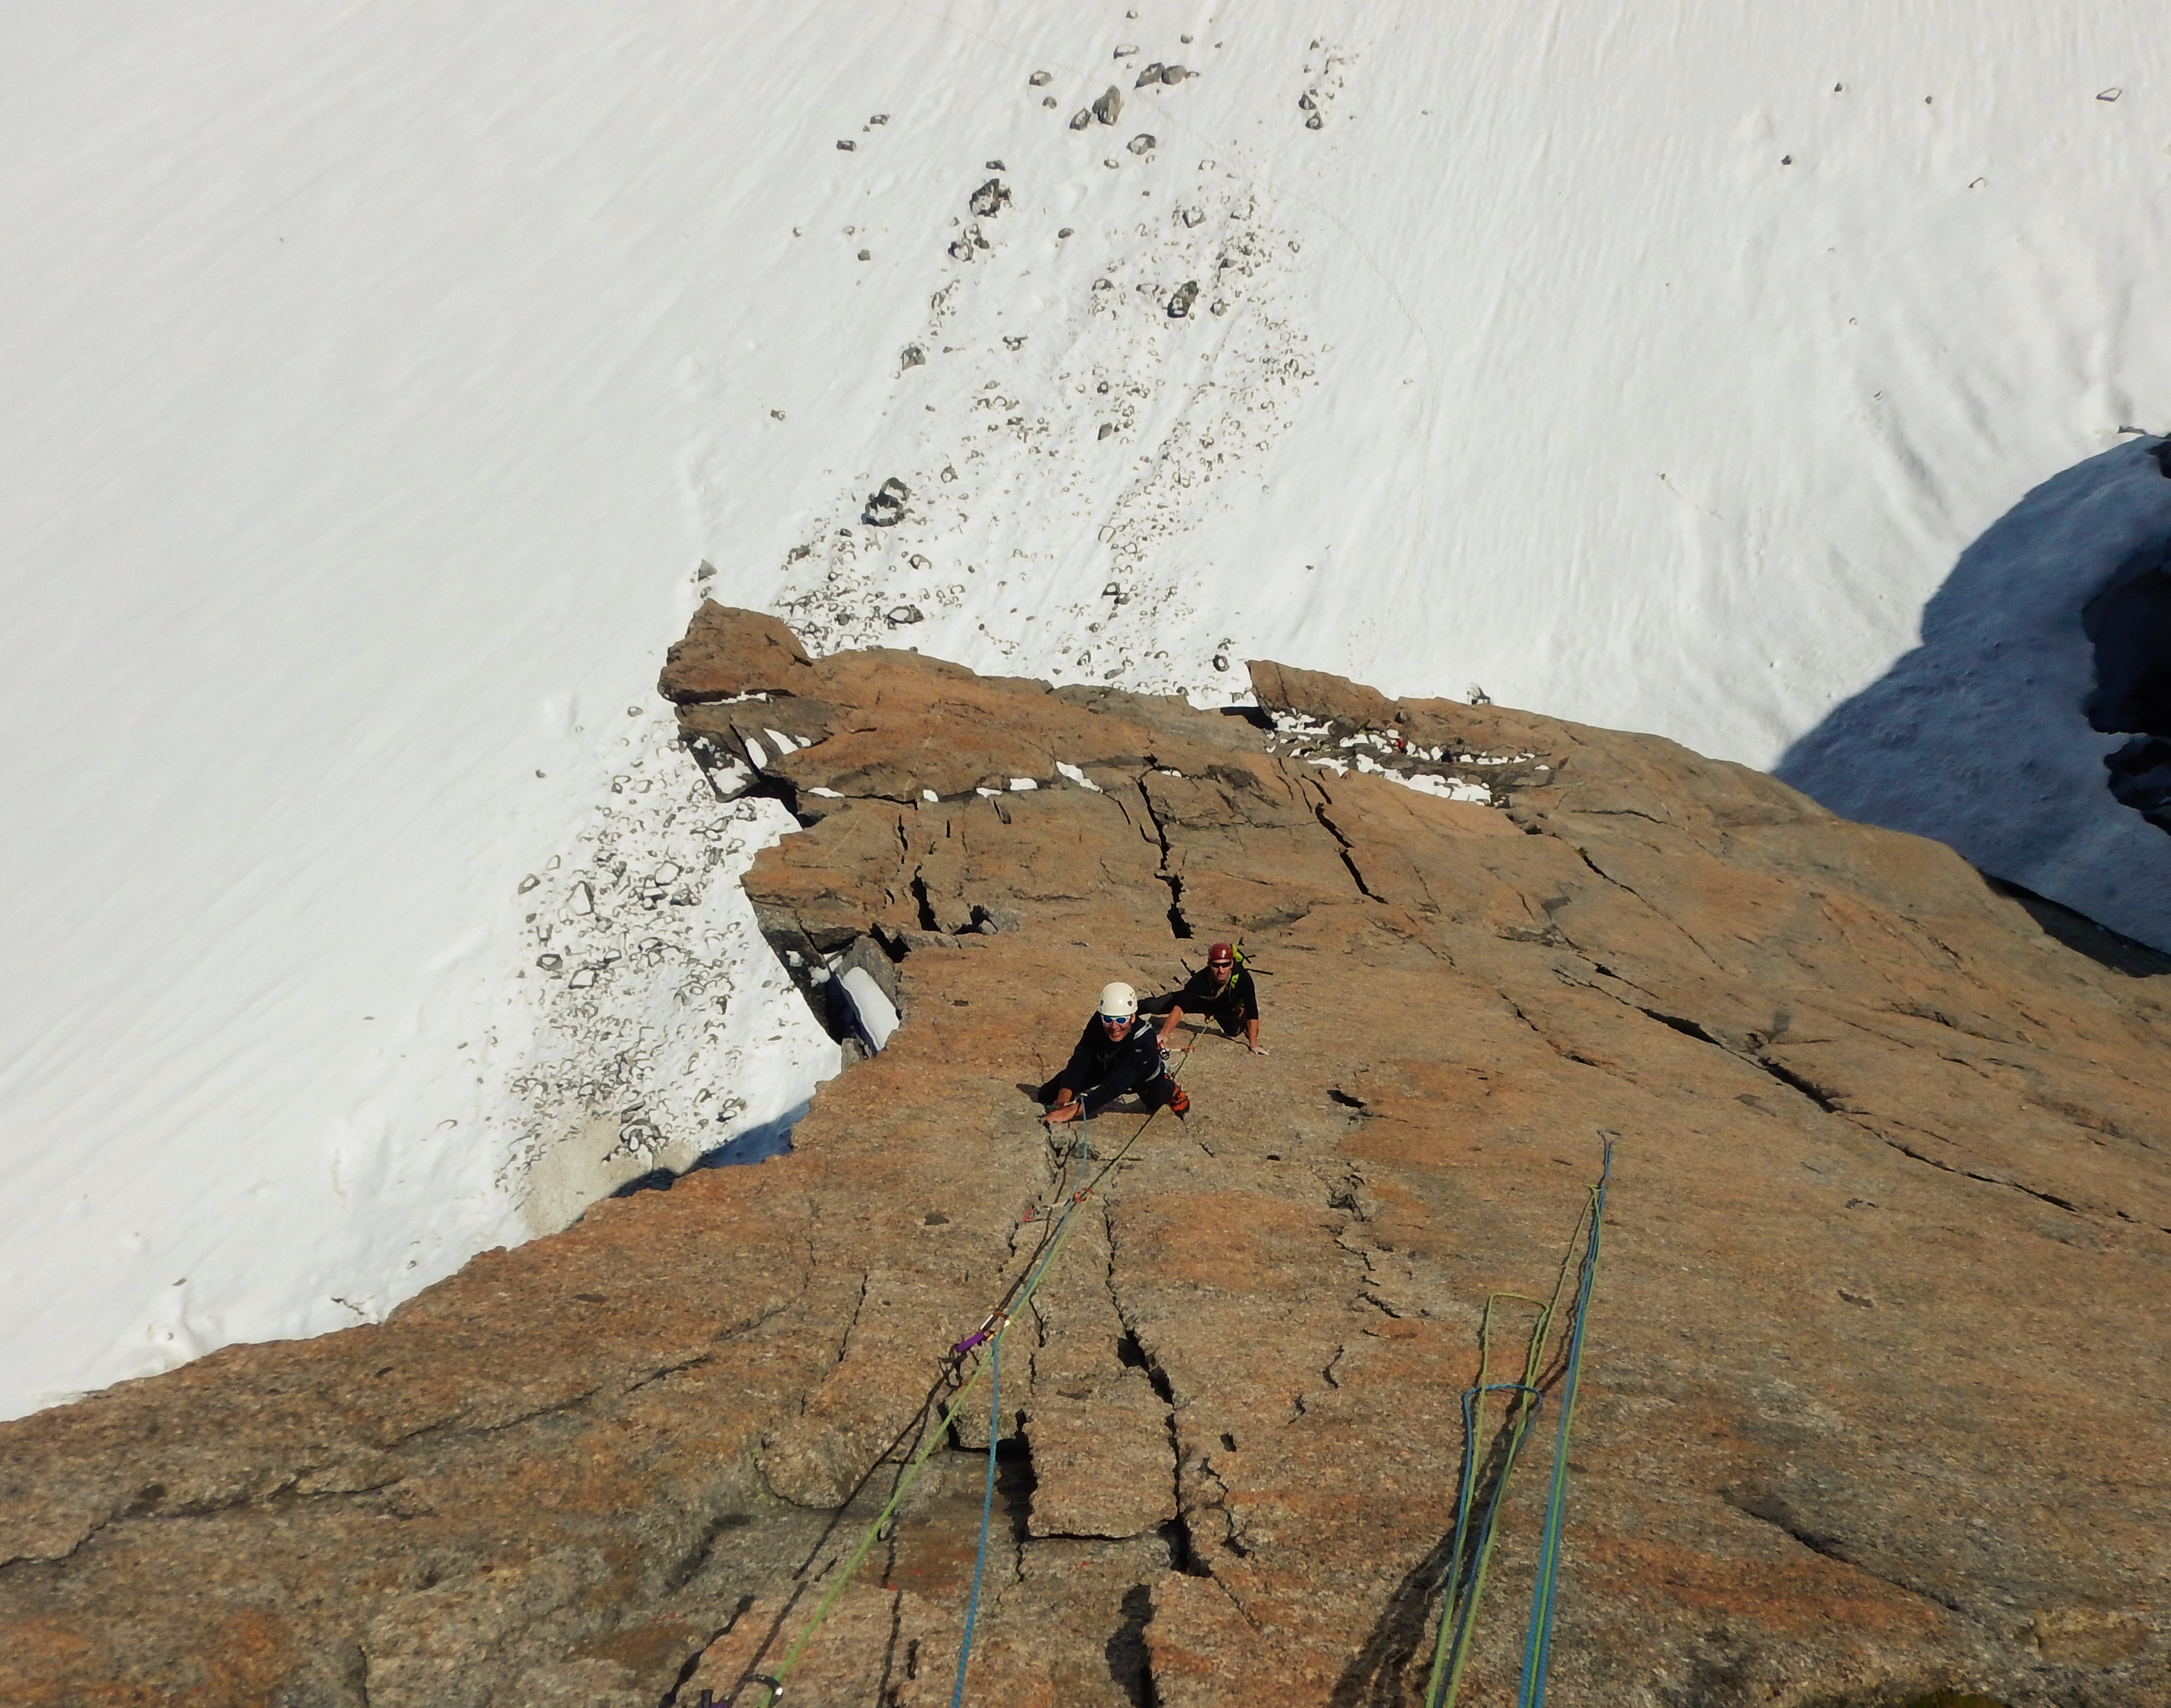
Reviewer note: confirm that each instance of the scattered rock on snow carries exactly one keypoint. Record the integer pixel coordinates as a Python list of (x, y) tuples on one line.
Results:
[(1127, 49), (1314, 122), (846, 144), (1040, 79), (991, 199), (885, 509), (902, 616), (1082, 118), (913, 356), (1173, 73), (1110, 107), (1151, 74), (1179, 305), (1142, 143)]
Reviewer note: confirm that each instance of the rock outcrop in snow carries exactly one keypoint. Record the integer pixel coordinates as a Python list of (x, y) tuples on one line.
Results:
[(1866, 1410)]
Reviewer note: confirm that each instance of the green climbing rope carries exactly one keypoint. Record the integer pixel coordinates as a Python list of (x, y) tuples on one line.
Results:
[(998, 1323), (1470, 1547)]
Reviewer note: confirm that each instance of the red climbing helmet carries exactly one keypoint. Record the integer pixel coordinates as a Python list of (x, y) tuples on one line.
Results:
[(1220, 955)]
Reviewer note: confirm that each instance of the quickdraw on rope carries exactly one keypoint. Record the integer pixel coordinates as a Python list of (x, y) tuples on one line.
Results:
[(1471, 1549), (989, 1335)]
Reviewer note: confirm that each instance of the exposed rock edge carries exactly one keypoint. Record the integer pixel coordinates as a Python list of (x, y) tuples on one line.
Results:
[(1873, 1401)]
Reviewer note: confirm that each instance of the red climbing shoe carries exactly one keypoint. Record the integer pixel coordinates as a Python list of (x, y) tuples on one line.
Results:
[(1179, 1100)]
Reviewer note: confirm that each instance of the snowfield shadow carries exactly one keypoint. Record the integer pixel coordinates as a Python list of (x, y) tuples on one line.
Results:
[(756, 1144), (2031, 728)]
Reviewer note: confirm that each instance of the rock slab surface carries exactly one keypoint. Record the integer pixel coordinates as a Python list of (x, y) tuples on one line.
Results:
[(1874, 1404)]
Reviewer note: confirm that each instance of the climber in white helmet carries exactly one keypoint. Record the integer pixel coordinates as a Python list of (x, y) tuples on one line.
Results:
[(1117, 1053)]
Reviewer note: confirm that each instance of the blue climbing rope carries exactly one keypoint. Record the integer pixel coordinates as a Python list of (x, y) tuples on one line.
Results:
[(987, 1512), (1469, 1550), (1537, 1650)]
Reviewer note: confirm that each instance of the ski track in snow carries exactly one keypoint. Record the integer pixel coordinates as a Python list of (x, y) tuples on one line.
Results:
[(382, 377)]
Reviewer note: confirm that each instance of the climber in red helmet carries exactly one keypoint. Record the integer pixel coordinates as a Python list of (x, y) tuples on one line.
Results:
[(1223, 990)]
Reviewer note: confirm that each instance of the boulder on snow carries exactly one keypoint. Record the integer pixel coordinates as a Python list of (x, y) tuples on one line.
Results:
[(886, 508), (1110, 107)]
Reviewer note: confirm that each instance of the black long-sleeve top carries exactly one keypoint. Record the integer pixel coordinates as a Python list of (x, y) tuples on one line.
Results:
[(1103, 1068), (1231, 1004)]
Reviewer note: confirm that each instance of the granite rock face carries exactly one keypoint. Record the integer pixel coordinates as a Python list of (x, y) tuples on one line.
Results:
[(1873, 1405)]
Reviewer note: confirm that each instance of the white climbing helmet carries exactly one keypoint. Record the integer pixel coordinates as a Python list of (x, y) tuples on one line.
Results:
[(1118, 1002)]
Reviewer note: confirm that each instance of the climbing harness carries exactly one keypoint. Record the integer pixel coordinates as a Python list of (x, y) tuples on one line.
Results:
[(989, 1335), (1470, 1549)]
